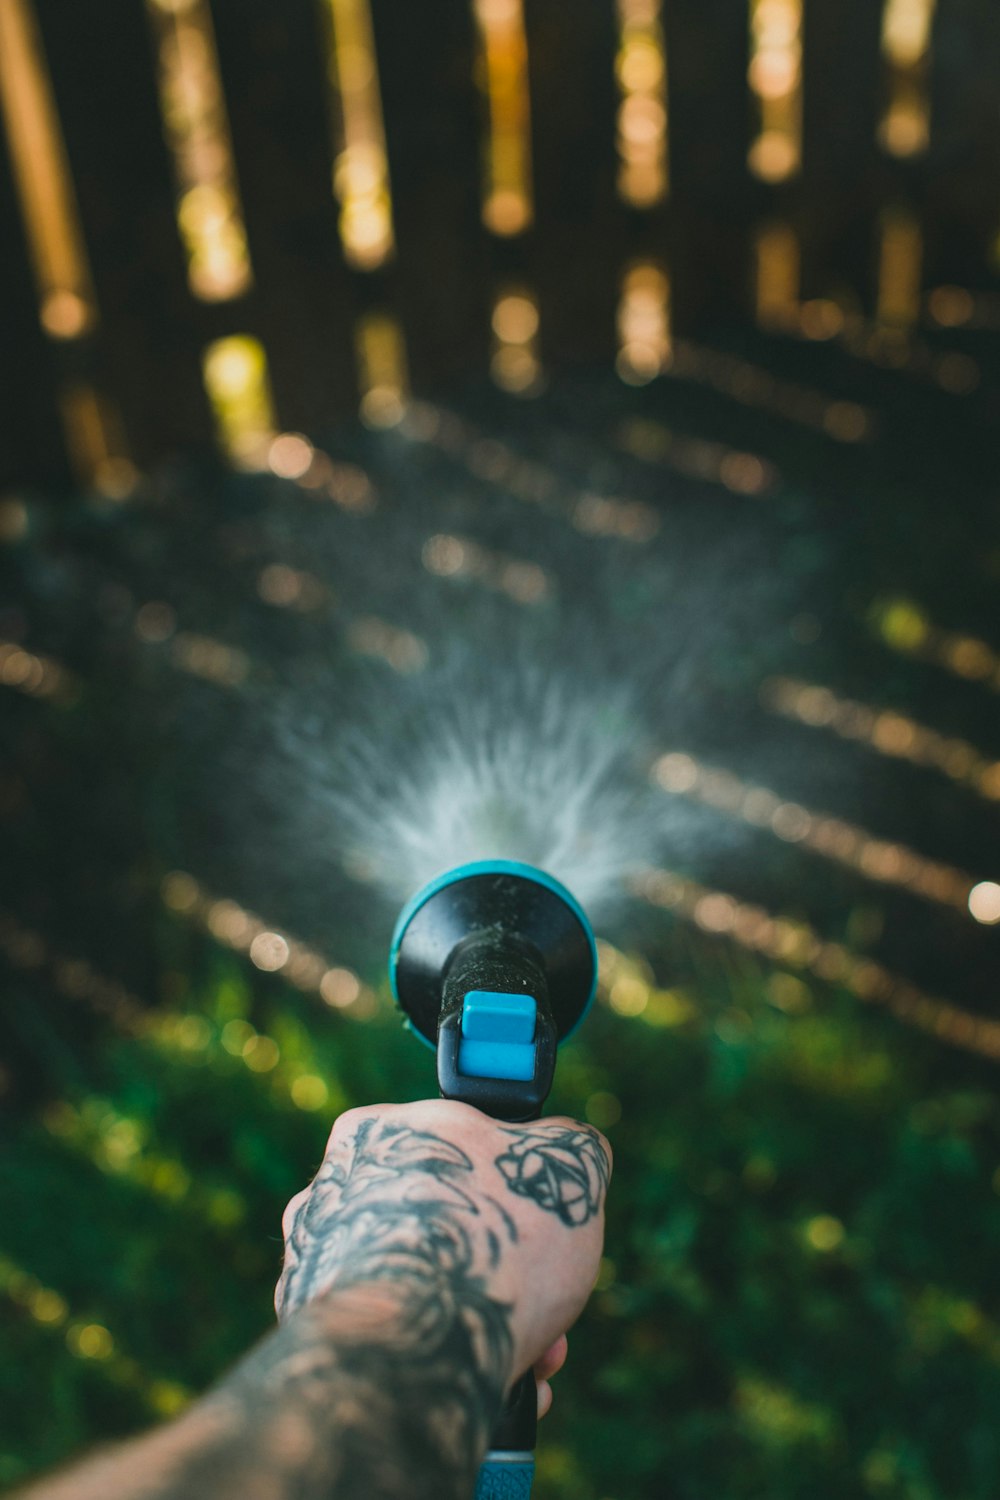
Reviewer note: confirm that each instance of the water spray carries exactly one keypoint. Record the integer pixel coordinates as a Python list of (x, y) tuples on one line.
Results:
[(494, 964)]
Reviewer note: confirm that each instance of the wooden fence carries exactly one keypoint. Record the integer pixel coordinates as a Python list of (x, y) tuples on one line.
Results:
[(131, 383)]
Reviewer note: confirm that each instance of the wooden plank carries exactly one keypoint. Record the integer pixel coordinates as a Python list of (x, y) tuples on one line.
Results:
[(707, 58), (842, 73), (577, 242), (32, 451), (712, 195), (837, 208), (273, 61), (433, 122), (103, 74), (960, 217)]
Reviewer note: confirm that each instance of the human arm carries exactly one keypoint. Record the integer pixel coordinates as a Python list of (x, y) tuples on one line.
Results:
[(436, 1256)]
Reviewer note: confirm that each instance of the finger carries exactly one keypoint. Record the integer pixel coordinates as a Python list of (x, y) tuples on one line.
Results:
[(291, 1209), (544, 1398), (566, 1122), (344, 1126), (553, 1359)]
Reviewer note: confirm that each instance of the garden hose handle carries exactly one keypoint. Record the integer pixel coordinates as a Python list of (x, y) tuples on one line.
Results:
[(494, 963), (497, 1051), (509, 1466)]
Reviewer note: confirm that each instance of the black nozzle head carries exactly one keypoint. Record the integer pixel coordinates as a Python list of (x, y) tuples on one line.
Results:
[(496, 1041), (522, 911), (494, 965)]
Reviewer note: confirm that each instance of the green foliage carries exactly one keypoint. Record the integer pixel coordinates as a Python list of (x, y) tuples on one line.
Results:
[(797, 1296)]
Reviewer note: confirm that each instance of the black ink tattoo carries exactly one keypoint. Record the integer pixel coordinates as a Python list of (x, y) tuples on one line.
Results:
[(388, 1371), (564, 1171), (395, 1215)]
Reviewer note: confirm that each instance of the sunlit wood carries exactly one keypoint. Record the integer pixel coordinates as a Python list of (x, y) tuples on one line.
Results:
[(67, 307), (196, 126)]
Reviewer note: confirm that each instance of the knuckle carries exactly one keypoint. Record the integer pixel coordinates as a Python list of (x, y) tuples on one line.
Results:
[(445, 1112), (605, 1146), (561, 1123), (567, 1122), (291, 1210), (345, 1123)]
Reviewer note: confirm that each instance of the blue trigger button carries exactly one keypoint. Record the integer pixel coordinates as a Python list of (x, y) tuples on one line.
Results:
[(492, 1016), (498, 1032)]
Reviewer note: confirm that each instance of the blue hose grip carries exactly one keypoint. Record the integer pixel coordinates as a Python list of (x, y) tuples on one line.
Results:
[(505, 1476)]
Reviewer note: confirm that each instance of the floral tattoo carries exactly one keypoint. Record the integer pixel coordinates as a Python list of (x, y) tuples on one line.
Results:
[(564, 1171)]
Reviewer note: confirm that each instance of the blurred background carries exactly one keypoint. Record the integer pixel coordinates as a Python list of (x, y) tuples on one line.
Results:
[(372, 371)]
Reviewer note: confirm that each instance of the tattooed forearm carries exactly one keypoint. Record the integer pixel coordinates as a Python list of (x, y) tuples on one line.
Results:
[(563, 1171), (411, 1295), (345, 1402), (389, 1370), (371, 1392), (392, 1213)]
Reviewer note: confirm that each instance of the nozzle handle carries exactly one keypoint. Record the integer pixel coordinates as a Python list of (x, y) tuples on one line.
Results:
[(509, 1465), (481, 966), (505, 1476)]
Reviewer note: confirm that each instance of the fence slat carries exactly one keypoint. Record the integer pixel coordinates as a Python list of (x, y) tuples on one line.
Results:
[(273, 62), (840, 189), (577, 240), (433, 122), (962, 220), (103, 73), (31, 442), (711, 191)]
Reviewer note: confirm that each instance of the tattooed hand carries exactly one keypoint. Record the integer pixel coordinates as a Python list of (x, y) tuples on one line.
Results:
[(564, 1171), (434, 1258), (461, 1221)]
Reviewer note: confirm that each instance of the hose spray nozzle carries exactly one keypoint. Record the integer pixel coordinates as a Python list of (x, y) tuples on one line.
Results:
[(494, 964), (497, 1039)]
